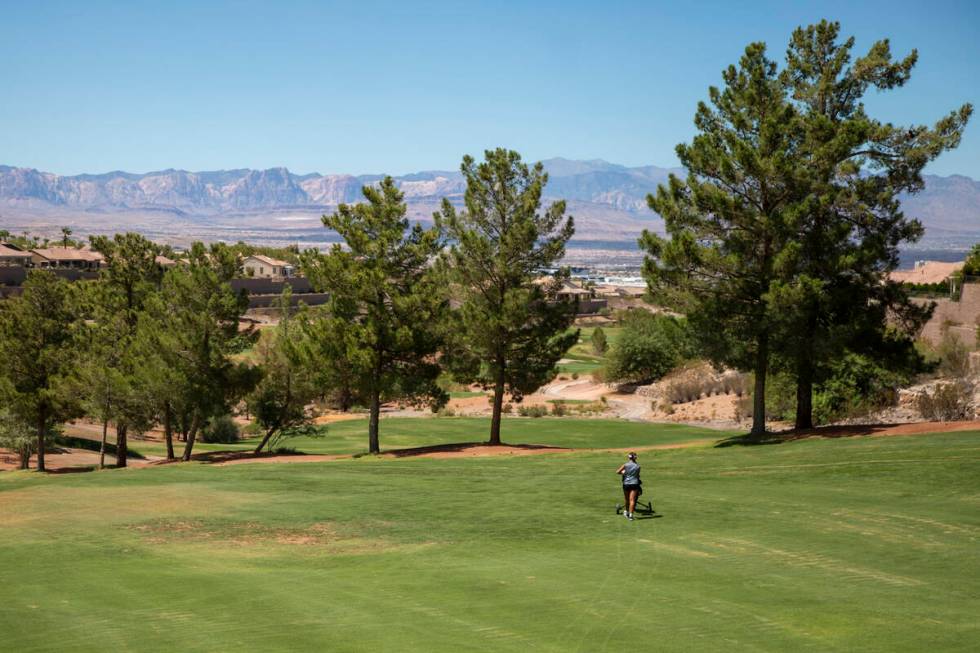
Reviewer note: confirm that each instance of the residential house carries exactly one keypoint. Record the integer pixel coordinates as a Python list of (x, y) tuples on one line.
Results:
[(66, 258), (13, 256), (260, 266)]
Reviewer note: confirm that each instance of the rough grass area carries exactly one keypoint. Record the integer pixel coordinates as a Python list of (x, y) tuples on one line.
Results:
[(818, 545), (350, 437)]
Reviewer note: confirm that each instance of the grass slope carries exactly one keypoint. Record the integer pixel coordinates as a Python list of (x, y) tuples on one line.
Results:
[(864, 544), (350, 437)]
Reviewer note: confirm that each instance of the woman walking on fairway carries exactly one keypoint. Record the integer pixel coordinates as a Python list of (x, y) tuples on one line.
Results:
[(630, 471)]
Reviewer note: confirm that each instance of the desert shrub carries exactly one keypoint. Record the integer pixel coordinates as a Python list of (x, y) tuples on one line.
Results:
[(599, 342), (737, 384), (649, 347), (558, 409), (508, 408), (947, 402), (688, 383), (953, 355), (446, 411), (532, 411), (221, 429), (574, 376)]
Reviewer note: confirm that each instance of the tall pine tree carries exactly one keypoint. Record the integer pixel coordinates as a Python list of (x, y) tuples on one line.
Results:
[(510, 329), (386, 303)]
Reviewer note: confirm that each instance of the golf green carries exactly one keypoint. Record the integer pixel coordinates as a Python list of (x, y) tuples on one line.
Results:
[(851, 544)]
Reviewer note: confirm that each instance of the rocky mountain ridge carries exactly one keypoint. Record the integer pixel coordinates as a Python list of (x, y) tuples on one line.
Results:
[(608, 196)]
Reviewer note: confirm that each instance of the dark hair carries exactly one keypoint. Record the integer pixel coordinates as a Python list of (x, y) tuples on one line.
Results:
[(631, 455)]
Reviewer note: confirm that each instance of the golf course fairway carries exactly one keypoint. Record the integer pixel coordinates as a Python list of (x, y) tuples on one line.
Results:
[(868, 544)]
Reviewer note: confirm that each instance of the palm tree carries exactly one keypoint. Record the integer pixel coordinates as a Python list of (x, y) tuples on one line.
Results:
[(65, 233)]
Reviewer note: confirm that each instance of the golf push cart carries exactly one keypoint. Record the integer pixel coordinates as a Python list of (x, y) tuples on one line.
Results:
[(642, 507)]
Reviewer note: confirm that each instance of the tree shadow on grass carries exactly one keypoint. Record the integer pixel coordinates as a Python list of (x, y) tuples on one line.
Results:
[(779, 437), (476, 448)]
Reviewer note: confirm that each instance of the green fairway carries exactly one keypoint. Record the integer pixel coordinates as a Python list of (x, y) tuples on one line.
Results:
[(582, 358), (350, 437), (820, 545)]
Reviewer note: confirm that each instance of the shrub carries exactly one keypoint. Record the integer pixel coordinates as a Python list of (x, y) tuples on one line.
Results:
[(574, 376), (954, 356), (446, 411), (558, 409), (599, 343), (221, 429), (532, 411), (649, 347), (948, 402), (508, 408)]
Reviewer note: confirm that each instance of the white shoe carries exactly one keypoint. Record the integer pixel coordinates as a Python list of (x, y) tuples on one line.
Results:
[(626, 514), (629, 516)]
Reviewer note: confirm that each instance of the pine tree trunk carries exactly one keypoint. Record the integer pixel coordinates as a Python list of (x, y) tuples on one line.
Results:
[(374, 445), (191, 436), (105, 435), (804, 396), (268, 434), (25, 457), (759, 396), (168, 431), (122, 444), (42, 423), (498, 405)]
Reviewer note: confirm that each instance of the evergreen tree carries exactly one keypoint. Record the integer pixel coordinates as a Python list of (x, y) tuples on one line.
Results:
[(510, 329), (599, 343), (835, 295), (36, 347), (728, 220), (279, 401), (110, 371), (386, 302), (194, 325)]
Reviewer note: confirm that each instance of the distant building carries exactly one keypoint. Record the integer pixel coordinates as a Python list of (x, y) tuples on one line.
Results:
[(165, 262), (260, 266), (13, 256), (926, 272), (66, 258)]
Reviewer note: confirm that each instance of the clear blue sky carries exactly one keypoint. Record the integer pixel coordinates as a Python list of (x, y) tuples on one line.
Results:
[(397, 87)]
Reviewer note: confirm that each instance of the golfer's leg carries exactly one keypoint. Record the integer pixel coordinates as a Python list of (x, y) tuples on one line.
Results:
[(626, 499), (632, 501)]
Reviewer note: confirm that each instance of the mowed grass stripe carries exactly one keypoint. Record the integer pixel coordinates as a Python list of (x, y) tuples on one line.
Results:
[(508, 554)]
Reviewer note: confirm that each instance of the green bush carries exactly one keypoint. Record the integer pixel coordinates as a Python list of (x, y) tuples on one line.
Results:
[(649, 347), (599, 342), (532, 411), (222, 430)]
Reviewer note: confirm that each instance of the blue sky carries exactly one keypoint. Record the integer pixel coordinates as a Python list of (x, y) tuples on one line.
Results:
[(397, 87)]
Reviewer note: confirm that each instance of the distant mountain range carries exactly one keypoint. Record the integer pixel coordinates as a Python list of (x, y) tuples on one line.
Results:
[(608, 200)]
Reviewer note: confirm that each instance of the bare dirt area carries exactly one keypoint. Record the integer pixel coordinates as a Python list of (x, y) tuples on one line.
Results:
[(881, 430)]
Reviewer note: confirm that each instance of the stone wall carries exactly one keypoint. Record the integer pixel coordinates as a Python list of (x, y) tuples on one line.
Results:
[(961, 315)]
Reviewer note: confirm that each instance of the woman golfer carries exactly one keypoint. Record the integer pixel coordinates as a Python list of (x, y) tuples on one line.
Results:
[(630, 471)]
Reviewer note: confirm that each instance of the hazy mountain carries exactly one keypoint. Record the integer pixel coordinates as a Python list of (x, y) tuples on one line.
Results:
[(608, 200)]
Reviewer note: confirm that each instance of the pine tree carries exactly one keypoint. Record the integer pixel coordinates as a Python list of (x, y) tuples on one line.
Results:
[(36, 347), (510, 329), (599, 343), (193, 324), (386, 303), (836, 296), (728, 220)]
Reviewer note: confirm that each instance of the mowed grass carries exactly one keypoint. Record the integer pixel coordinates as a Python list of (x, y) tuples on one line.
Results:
[(864, 544), (582, 358), (350, 437)]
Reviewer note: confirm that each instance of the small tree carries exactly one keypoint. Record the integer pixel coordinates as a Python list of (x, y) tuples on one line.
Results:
[(193, 324), (16, 435), (36, 347), (279, 401), (599, 344), (386, 303), (510, 329), (649, 347)]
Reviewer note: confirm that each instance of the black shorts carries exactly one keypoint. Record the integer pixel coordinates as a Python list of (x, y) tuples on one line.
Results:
[(638, 488)]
